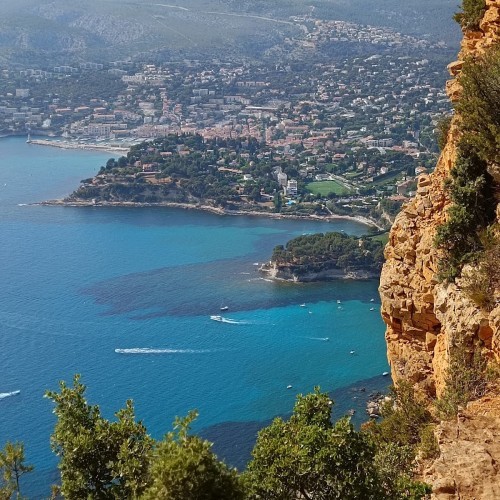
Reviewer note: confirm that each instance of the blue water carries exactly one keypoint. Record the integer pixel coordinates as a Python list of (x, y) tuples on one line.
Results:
[(78, 283)]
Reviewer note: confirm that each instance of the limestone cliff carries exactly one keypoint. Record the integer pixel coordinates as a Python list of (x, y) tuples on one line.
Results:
[(423, 316)]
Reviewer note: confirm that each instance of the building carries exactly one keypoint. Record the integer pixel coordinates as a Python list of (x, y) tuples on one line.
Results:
[(291, 187)]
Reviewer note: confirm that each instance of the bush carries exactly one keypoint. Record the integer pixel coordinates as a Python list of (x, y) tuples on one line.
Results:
[(429, 447), (481, 282), (398, 438), (442, 129), (479, 104), (404, 416), (471, 190), (471, 15), (466, 378)]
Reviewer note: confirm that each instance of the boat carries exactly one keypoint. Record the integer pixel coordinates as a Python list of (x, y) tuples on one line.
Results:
[(224, 308), (372, 309), (338, 302), (372, 300), (352, 352), (216, 317), (385, 374), (303, 305), (289, 386)]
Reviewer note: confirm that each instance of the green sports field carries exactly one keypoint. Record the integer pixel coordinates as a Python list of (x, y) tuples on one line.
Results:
[(326, 187)]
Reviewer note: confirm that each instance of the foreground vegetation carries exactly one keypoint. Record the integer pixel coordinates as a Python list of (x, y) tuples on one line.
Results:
[(305, 456)]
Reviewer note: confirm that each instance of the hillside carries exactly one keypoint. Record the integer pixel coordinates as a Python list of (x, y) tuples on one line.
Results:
[(46, 33)]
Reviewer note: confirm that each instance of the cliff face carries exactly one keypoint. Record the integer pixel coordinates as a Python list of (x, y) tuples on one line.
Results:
[(423, 316)]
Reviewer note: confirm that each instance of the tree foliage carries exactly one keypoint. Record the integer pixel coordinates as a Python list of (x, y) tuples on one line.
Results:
[(473, 209), (316, 252), (184, 468), (471, 14), (479, 104), (397, 438), (12, 467), (98, 458), (482, 281), (306, 456), (465, 376), (309, 456)]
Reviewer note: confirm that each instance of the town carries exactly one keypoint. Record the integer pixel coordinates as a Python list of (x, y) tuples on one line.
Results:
[(337, 134)]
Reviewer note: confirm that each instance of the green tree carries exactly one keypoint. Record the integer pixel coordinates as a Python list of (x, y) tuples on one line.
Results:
[(185, 468), (473, 209), (98, 458), (12, 467), (471, 14), (479, 104), (310, 457)]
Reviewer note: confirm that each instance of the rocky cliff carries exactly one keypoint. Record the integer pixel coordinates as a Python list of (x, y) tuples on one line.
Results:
[(424, 316)]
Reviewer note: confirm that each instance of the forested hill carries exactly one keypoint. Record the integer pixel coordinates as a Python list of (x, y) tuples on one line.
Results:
[(42, 32), (319, 254)]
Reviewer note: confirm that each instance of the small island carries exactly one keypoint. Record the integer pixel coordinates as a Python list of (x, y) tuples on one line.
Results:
[(325, 257)]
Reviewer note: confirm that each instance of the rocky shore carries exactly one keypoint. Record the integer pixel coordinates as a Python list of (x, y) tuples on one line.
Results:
[(288, 273), (208, 208)]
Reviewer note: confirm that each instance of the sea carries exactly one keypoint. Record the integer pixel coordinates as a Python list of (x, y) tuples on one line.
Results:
[(124, 297)]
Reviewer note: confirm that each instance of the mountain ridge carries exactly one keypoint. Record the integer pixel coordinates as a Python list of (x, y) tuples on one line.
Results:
[(56, 32)]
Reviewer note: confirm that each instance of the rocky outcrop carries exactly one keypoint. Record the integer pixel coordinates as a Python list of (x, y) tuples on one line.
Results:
[(290, 273), (468, 465)]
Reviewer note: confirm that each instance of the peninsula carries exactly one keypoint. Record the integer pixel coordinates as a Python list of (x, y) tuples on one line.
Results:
[(235, 177), (324, 257)]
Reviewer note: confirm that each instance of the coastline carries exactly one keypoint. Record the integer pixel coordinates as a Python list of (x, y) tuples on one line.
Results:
[(215, 210), (285, 274), (76, 145)]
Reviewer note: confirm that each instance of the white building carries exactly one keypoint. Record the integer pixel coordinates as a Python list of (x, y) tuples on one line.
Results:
[(291, 187)]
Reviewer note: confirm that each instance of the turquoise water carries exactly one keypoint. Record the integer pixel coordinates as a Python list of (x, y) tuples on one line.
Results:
[(79, 283)]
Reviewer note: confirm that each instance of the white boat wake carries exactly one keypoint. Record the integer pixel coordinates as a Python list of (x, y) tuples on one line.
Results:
[(323, 339), (148, 350), (230, 321), (4, 395)]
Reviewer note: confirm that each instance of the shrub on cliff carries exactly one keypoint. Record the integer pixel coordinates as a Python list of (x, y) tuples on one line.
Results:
[(471, 14), (465, 377), (482, 281), (479, 105), (442, 129), (470, 188)]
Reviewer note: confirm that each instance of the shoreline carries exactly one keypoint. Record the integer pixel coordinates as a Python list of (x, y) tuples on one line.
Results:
[(105, 148), (214, 210)]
